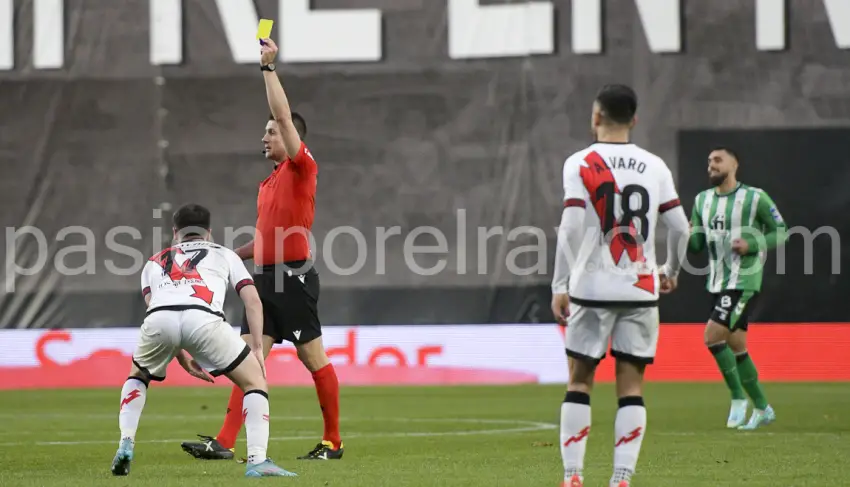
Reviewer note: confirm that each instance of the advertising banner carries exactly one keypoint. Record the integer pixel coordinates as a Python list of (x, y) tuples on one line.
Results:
[(429, 355)]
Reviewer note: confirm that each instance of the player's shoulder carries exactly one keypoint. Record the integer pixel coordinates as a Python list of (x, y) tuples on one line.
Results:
[(305, 151), (578, 158), (700, 198), (753, 189), (653, 161), (227, 253)]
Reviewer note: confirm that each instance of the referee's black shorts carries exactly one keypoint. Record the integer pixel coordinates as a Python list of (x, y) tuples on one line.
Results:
[(290, 309)]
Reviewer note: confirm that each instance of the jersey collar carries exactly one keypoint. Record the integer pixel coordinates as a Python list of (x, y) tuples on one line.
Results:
[(736, 188)]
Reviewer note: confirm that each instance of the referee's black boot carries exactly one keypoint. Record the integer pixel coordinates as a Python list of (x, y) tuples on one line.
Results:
[(324, 451), (208, 449)]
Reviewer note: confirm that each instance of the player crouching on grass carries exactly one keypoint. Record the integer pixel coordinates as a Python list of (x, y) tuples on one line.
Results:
[(737, 224), (184, 288)]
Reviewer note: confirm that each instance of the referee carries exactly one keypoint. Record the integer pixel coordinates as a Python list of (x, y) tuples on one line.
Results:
[(281, 253)]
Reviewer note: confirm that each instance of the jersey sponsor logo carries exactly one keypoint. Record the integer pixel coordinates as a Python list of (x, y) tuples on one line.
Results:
[(301, 278), (777, 217), (621, 234), (297, 334), (718, 222)]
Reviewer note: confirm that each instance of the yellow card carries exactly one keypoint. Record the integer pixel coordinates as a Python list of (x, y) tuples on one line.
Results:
[(264, 30)]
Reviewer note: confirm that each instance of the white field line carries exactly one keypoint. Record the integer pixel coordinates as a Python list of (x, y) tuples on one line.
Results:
[(519, 427)]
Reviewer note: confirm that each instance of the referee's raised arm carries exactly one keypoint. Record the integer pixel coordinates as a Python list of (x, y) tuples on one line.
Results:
[(278, 104)]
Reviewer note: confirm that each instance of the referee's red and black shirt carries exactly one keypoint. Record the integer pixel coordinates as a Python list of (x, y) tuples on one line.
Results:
[(286, 205)]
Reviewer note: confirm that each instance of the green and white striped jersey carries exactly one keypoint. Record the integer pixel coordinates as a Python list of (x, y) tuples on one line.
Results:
[(718, 219)]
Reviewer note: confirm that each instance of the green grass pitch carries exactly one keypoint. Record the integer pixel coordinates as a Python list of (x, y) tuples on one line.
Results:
[(435, 436)]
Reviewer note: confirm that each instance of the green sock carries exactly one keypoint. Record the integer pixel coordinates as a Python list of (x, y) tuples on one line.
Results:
[(726, 363), (750, 380)]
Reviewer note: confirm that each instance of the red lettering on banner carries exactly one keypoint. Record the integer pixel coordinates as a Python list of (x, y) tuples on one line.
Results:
[(787, 352), (349, 350), (398, 355), (423, 353), (285, 354), (41, 345)]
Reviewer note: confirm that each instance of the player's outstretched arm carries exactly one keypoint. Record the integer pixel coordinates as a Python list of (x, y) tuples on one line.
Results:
[(278, 103)]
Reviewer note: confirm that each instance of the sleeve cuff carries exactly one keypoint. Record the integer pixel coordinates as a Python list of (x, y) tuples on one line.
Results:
[(244, 282), (665, 270)]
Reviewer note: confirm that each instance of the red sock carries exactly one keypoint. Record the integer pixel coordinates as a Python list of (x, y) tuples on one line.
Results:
[(232, 420), (327, 387)]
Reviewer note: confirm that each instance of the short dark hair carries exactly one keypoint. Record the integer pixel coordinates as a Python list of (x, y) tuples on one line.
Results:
[(193, 217), (299, 122), (727, 150), (618, 103)]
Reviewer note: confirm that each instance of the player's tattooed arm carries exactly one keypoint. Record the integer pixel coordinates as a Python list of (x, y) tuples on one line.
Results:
[(696, 242)]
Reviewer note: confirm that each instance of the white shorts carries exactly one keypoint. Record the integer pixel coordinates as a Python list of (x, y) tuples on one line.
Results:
[(633, 333), (209, 339)]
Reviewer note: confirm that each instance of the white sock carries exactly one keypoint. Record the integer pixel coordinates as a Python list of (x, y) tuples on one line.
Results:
[(629, 430), (133, 396), (255, 410), (575, 428)]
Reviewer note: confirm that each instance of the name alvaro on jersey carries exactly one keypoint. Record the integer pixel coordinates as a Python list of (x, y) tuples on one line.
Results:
[(621, 163)]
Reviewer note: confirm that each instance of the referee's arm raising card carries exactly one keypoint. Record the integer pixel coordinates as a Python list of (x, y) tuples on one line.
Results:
[(278, 103)]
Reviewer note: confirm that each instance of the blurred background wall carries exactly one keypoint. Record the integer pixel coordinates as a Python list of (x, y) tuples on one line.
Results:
[(416, 137)]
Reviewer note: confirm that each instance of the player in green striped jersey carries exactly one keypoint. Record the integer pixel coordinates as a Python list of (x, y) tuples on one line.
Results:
[(736, 224)]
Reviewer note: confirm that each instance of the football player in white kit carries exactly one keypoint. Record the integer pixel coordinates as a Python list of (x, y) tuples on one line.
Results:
[(606, 281), (184, 288)]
